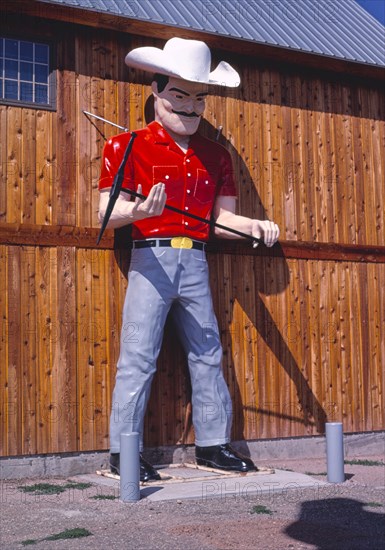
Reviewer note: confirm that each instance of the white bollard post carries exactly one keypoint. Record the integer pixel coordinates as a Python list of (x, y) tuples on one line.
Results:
[(129, 467), (335, 452)]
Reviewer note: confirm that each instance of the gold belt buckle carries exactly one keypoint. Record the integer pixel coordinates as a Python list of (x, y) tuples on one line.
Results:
[(181, 242)]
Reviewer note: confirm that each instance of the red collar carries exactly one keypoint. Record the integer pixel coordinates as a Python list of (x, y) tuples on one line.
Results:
[(159, 134)]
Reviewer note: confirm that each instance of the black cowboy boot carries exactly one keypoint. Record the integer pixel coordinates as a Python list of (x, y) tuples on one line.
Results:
[(223, 457), (147, 472)]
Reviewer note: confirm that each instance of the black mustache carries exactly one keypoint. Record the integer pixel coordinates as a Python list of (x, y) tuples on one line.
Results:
[(190, 115)]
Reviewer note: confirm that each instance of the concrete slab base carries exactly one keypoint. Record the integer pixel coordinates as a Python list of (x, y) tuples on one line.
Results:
[(184, 483)]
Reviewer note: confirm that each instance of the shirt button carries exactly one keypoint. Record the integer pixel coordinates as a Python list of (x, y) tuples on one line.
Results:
[(186, 207), (188, 191), (206, 182), (167, 177), (186, 223), (189, 175), (187, 160)]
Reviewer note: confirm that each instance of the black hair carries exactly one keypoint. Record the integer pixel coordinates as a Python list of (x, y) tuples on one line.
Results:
[(161, 81)]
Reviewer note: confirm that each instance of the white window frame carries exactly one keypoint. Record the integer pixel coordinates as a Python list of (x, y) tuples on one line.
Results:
[(17, 79)]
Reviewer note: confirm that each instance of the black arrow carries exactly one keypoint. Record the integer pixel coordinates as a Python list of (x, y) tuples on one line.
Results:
[(116, 187)]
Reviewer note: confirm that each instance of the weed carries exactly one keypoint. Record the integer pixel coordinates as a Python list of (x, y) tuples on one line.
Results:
[(76, 485), (42, 489), (104, 497), (51, 489), (260, 509), (76, 533), (359, 462)]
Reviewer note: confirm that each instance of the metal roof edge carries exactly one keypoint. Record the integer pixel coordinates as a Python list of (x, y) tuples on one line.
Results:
[(189, 28)]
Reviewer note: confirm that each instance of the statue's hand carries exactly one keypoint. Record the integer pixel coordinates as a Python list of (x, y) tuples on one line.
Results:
[(266, 230), (153, 205)]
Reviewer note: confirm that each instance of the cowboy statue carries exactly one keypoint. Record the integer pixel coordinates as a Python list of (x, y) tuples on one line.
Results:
[(170, 161)]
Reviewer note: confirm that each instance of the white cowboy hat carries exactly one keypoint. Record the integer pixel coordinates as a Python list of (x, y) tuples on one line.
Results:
[(186, 59)]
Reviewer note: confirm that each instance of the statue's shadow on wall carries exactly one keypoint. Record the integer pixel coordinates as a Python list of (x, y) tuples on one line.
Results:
[(176, 388)]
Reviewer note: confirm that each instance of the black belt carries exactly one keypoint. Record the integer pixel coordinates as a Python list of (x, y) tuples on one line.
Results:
[(176, 242)]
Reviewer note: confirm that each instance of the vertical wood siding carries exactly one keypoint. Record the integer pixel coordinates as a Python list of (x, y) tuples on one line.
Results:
[(303, 339)]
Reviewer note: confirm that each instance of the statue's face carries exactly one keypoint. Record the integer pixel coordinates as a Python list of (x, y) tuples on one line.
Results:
[(179, 107)]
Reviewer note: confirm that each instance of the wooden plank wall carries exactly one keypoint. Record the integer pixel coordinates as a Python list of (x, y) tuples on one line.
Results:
[(303, 336)]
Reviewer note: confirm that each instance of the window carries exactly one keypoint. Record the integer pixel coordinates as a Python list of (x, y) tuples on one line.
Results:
[(25, 73)]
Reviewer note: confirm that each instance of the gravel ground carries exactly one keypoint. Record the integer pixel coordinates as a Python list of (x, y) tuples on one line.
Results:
[(347, 516)]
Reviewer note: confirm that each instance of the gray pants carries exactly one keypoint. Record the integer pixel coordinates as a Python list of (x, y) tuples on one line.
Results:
[(176, 280)]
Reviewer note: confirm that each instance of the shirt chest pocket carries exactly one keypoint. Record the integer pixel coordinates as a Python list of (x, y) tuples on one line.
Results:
[(205, 186), (169, 175)]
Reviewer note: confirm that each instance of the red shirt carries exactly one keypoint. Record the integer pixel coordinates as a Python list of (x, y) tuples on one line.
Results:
[(193, 179)]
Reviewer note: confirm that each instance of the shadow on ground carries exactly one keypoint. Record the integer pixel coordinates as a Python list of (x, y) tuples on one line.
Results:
[(339, 523)]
